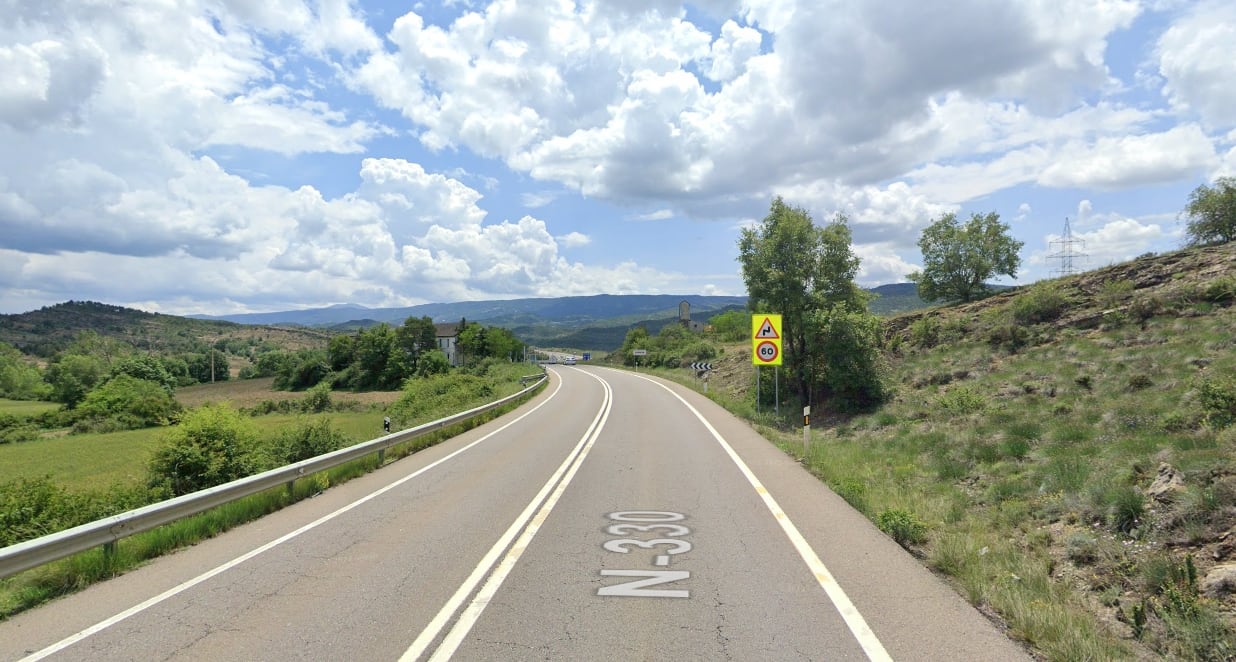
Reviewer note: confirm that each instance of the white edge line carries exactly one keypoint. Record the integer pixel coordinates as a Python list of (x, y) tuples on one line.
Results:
[(849, 613), (451, 642), (136, 609)]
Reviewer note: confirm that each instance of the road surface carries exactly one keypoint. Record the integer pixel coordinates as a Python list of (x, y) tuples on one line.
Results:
[(613, 517)]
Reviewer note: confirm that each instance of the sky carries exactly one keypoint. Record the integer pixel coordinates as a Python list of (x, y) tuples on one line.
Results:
[(228, 156)]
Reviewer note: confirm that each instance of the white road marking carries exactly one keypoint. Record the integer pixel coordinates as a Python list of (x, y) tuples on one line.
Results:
[(104, 624), (849, 613), (561, 478)]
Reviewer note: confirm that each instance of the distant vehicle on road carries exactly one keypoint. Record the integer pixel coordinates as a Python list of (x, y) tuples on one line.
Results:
[(570, 360)]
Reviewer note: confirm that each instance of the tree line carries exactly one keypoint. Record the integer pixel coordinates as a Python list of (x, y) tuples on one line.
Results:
[(104, 384)]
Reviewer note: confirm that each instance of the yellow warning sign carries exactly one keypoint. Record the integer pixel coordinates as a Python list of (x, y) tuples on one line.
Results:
[(766, 339), (767, 330)]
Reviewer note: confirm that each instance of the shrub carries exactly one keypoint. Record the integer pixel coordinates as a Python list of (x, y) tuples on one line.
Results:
[(1218, 399), (1218, 291), (1146, 306), (902, 526), (212, 445), (962, 400), (1042, 303), (1008, 335), (317, 399), (925, 332), (308, 438), (851, 370), (1114, 292), (132, 402)]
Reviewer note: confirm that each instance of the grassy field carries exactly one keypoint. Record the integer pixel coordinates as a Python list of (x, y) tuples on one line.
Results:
[(90, 461), (251, 392), (25, 407), (81, 462)]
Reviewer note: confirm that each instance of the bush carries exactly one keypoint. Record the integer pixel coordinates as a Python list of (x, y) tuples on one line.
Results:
[(34, 507), (1114, 292), (962, 400), (1218, 399), (902, 526), (212, 445), (307, 439), (1008, 335), (1144, 307), (925, 332), (851, 371), (317, 399), (132, 402), (1042, 303), (423, 399)]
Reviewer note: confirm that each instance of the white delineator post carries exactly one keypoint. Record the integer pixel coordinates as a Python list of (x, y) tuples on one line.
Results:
[(806, 428)]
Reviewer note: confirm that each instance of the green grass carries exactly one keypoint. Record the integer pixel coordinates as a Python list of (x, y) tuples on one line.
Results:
[(81, 462), (41, 584), (25, 407), (1015, 459)]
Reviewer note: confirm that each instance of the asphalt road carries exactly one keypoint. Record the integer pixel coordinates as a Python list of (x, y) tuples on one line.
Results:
[(613, 517)]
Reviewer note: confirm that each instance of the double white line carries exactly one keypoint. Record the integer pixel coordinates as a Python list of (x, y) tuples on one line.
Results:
[(542, 504)]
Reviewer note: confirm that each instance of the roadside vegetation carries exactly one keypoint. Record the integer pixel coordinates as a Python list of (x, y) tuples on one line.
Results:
[(53, 478), (1063, 453)]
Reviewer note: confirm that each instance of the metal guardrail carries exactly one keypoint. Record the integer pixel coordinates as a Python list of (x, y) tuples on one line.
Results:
[(55, 546)]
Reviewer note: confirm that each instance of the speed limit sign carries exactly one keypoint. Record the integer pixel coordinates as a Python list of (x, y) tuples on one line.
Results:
[(767, 353)]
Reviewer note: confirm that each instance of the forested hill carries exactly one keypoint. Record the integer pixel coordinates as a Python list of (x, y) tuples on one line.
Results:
[(48, 330), (577, 311)]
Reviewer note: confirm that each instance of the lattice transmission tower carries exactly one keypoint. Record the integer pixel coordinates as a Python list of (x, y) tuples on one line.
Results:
[(1067, 252)]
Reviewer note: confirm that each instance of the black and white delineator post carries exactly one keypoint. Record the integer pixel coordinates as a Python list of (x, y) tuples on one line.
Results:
[(806, 429)]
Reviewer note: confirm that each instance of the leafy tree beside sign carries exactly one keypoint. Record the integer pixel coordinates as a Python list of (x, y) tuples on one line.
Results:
[(793, 267)]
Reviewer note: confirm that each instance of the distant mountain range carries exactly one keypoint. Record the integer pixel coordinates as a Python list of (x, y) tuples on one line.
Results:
[(564, 311), (592, 322), (598, 322)]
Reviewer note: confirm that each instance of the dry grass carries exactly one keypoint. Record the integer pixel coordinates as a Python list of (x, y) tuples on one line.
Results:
[(244, 393)]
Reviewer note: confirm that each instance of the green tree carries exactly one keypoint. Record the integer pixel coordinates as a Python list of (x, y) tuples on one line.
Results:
[(472, 342), (19, 378), (636, 338), (134, 402), (731, 325), (212, 445), (433, 362), (958, 259), (1212, 213), (341, 352), (792, 267), (147, 367), (72, 376), (107, 350), (503, 344), (416, 336), (377, 358), (848, 365), (301, 370), (211, 366)]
